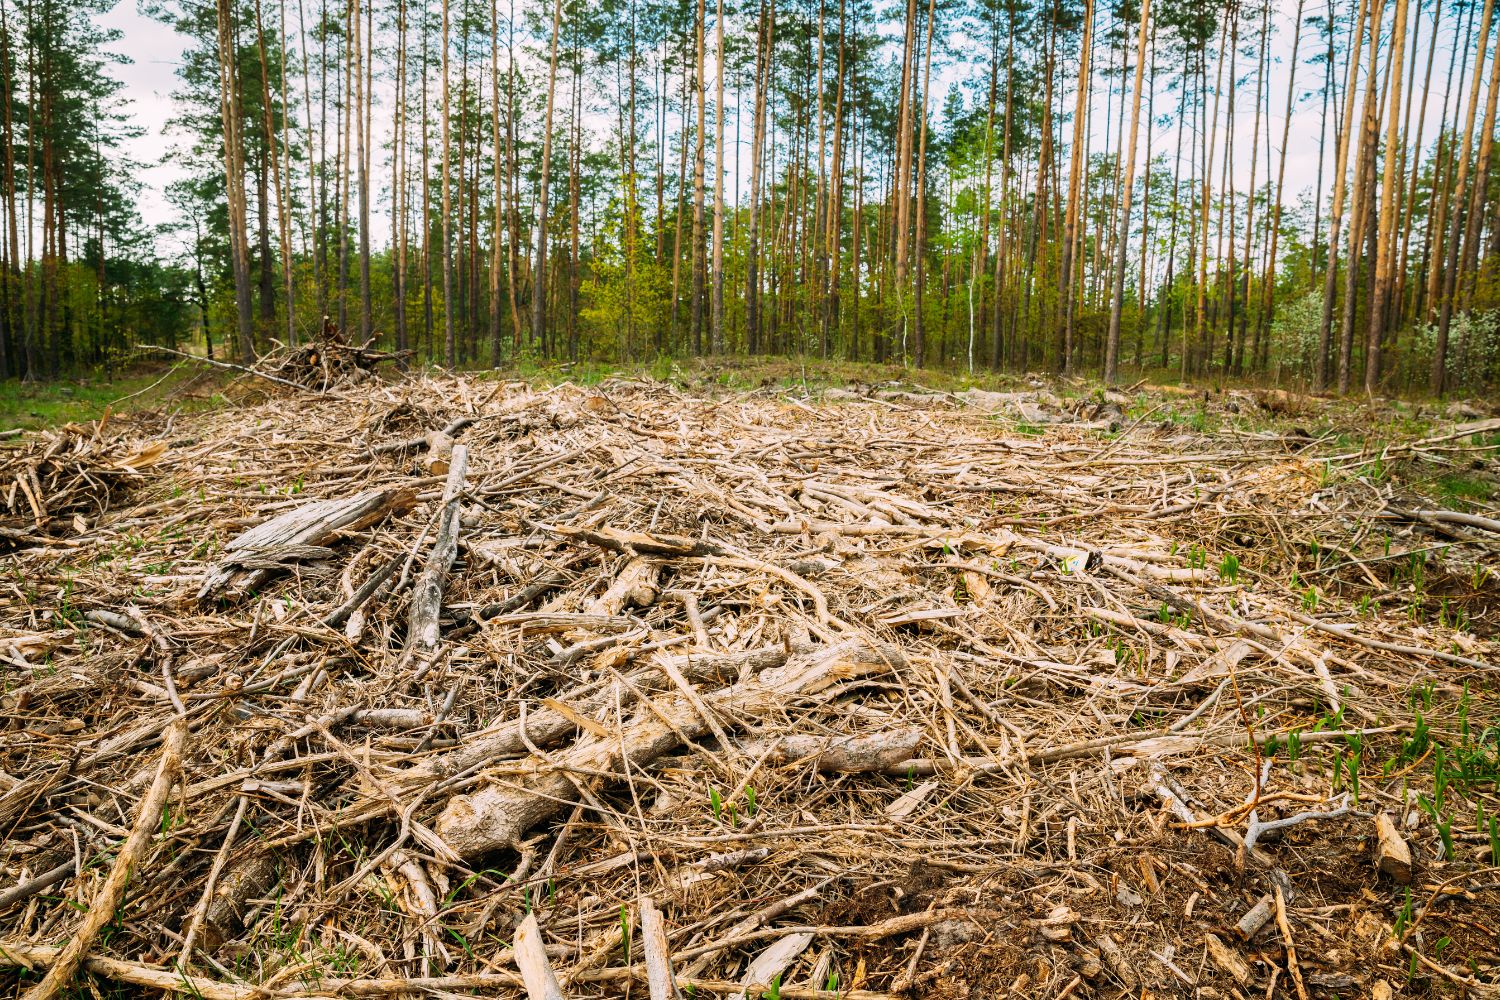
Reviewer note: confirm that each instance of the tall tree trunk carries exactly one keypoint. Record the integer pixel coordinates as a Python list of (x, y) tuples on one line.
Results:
[(229, 103), (283, 210), (361, 115), (1268, 281), (446, 197), (1336, 208), (1117, 300), (1075, 179), (901, 190), (1409, 211), (1450, 250), (1387, 204), (496, 186), (1002, 230), (539, 266), (513, 210), (1364, 207), (919, 352), (1468, 269), (764, 38), (716, 336), (399, 187), (699, 262)]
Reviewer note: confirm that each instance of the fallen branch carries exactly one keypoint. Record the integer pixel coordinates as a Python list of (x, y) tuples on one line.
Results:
[(422, 630), (538, 787), (107, 900)]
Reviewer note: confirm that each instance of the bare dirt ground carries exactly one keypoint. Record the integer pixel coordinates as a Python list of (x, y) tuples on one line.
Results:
[(446, 685)]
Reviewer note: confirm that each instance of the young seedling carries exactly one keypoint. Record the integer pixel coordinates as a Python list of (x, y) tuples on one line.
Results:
[(1229, 568)]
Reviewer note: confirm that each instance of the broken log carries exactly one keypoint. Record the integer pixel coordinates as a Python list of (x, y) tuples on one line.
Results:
[(531, 959), (1392, 853), (316, 524), (536, 788), (659, 981), (879, 751), (102, 910), (422, 632), (636, 586)]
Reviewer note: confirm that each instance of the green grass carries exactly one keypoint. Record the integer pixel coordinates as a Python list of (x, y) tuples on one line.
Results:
[(36, 405), (1456, 486)]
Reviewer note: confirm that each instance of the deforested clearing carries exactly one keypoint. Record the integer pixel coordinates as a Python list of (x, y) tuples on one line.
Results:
[(445, 685)]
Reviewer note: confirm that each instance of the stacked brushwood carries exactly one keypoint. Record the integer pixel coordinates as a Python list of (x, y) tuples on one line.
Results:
[(55, 483), (328, 360), (460, 687)]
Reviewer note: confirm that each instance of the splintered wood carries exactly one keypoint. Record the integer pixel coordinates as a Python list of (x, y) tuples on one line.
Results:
[(450, 686)]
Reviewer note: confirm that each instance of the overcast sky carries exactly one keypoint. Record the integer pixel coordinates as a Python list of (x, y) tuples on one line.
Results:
[(155, 51)]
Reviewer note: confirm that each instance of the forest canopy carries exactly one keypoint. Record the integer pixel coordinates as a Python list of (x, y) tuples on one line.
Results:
[(1051, 185)]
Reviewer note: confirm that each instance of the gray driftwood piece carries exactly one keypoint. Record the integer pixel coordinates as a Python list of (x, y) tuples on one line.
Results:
[(291, 533), (877, 751), (423, 632), (536, 787)]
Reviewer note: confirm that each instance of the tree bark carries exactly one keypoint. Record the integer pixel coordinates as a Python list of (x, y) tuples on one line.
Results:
[(1117, 300), (539, 266), (1387, 205)]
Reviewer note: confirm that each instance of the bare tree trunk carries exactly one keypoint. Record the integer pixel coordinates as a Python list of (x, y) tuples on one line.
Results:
[(757, 143), (539, 266), (901, 189), (513, 264), (997, 342), (1409, 213), (1268, 282), (229, 103), (1336, 209), (1364, 209), (1075, 179), (445, 194), (699, 263), (1387, 205), (283, 223), (716, 336), (1450, 250), (361, 114), (919, 352), (495, 242), (1468, 270), (1117, 300), (399, 185)]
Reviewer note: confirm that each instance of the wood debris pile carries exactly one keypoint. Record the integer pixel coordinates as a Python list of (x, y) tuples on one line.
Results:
[(57, 480), (461, 687), (328, 360)]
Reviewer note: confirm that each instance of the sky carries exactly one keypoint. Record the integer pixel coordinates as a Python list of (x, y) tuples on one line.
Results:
[(155, 51)]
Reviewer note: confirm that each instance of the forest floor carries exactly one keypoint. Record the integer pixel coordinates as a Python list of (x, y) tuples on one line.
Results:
[(796, 681)]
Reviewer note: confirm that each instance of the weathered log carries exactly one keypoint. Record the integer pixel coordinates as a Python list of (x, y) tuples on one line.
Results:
[(109, 897), (878, 751), (659, 981), (316, 524), (531, 959), (764, 972), (1256, 917), (439, 457), (1392, 854), (422, 632), (536, 788), (636, 586), (546, 726)]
